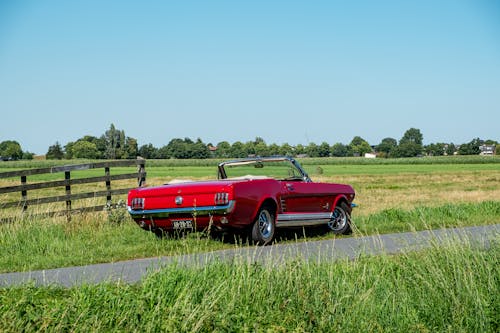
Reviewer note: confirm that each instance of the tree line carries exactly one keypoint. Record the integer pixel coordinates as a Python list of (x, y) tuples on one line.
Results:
[(114, 144)]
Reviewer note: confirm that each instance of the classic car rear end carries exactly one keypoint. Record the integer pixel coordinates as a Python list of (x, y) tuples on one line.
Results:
[(257, 195), (193, 205)]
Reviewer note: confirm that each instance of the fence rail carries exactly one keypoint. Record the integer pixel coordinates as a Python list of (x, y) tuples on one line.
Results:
[(67, 183)]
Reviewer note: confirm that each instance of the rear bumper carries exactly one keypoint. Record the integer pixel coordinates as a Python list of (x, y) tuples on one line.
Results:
[(195, 211)]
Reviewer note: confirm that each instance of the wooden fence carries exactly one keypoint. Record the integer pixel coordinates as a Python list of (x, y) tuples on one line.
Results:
[(68, 183)]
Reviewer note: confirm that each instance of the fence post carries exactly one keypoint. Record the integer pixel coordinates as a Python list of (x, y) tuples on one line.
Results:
[(24, 193), (67, 178), (141, 173), (108, 184)]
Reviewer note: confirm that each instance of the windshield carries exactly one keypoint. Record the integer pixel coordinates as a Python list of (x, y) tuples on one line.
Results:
[(277, 169)]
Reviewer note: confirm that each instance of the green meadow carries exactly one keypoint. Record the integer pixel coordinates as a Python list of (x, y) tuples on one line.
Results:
[(449, 288), (390, 197)]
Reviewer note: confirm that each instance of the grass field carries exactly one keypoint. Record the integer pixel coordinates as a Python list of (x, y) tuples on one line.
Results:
[(451, 288), (391, 198)]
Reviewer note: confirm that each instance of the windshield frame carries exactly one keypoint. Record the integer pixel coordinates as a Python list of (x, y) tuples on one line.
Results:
[(247, 161)]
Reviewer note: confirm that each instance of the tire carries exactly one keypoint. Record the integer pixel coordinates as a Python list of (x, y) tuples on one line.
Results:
[(264, 226), (340, 222)]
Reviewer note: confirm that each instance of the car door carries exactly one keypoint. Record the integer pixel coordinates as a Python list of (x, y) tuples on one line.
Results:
[(305, 197)]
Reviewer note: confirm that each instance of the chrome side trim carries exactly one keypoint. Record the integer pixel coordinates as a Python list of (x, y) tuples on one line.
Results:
[(200, 211), (305, 219)]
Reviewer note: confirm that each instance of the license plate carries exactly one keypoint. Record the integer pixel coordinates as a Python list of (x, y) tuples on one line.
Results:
[(182, 224)]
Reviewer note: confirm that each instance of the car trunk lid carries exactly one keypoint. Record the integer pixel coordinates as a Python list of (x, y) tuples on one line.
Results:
[(191, 194)]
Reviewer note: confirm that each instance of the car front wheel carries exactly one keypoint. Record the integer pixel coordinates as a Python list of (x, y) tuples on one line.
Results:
[(340, 222), (264, 227)]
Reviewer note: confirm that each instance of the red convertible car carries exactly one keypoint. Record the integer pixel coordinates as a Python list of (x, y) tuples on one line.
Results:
[(256, 195)]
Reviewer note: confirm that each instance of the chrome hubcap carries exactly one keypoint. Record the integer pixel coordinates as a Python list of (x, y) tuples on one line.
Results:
[(265, 224), (338, 220)]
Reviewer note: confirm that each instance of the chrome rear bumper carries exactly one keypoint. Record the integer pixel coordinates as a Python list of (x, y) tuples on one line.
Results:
[(198, 211)]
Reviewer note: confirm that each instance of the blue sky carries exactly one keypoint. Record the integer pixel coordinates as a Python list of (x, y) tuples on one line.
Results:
[(287, 71)]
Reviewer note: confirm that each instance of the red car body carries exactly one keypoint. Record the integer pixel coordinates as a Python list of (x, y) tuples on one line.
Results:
[(257, 203)]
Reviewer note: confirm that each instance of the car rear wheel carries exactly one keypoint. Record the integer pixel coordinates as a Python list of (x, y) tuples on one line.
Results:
[(264, 227), (340, 222)]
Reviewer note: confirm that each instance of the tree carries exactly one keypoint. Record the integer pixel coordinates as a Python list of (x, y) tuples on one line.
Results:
[(99, 142), (55, 152), (359, 146), (176, 148), (148, 151), (435, 149), (324, 149), (410, 144), (85, 149), (412, 135), (238, 150), (199, 150), (471, 148), (312, 150), (257, 147), (258, 140), (451, 149), (407, 149), (11, 150), (184, 149), (223, 150), (122, 147), (340, 150), (286, 150), (261, 149), (27, 155), (163, 153), (300, 149), (249, 148), (131, 148), (68, 150), (386, 146), (273, 149), (115, 140)]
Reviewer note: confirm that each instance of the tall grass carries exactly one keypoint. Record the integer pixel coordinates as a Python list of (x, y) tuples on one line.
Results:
[(454, 288), (42, 243)]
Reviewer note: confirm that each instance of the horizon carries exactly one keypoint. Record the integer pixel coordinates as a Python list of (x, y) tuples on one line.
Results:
[(215, 145)]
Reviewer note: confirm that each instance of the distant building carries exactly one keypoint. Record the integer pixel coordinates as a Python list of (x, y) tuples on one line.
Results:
[(487, 149)]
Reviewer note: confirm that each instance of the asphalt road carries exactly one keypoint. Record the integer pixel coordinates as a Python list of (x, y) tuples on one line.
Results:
[(133, 271)]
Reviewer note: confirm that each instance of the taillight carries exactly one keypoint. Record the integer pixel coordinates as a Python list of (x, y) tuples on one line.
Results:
[(137, 203), (221, 198)]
